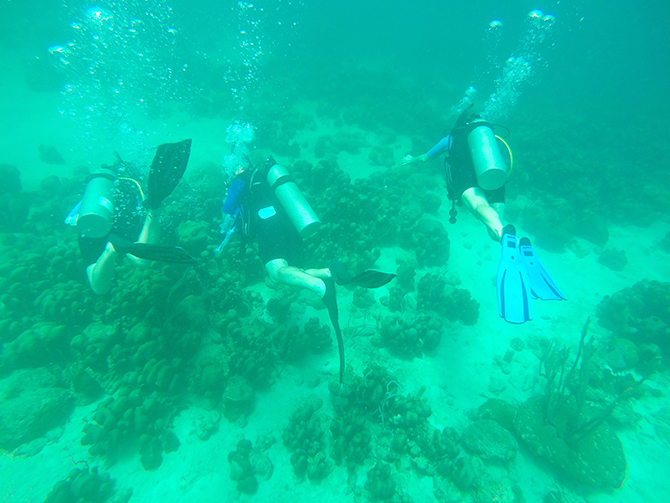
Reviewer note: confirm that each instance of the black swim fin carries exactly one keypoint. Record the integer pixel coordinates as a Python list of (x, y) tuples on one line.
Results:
[(367, 279), (330, 300), (166, 170), (149, 251), (372, 279)]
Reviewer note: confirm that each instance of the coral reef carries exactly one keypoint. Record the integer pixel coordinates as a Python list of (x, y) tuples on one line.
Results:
[(84, 485), (247, 465), (614, 259), (639, 314), (27, 414), (567, 426), (411, 335), (50, 155), (452, 303), (305, 437)]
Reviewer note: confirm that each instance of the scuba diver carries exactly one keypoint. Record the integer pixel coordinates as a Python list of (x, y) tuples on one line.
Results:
[(476, 171), (109, 216), (476, 175), (266, 204)]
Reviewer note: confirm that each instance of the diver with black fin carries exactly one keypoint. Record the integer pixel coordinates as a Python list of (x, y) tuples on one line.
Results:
[(265, 203), (109, 215)]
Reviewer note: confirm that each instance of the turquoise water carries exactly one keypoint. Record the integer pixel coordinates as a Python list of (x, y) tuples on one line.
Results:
[(207, 381)]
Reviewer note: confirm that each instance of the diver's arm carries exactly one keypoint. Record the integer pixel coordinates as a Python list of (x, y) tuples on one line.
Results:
[(410, 159), (231, 206), (101, 273), (440, 148), (227, 224)]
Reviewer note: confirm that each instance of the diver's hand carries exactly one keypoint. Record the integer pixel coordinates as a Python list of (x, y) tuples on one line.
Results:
[(227, 224), (408, 159)]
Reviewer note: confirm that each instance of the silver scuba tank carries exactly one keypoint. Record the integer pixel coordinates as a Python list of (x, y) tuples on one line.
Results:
[(295, 205), (97, 205), (489, 164)]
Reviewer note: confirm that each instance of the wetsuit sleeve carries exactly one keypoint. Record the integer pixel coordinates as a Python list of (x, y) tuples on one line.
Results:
[(443, 145), (234, 197)]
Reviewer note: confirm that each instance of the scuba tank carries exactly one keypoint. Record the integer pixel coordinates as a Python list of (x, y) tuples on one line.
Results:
[(295, 205), (489, 164), (97, 206)]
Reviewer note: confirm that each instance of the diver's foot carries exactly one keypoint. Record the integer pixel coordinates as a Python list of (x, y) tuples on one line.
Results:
[(340, 273), (495, 234)]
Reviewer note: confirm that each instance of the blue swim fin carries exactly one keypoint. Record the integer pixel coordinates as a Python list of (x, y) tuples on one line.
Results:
[(541, 284), (513, 285)]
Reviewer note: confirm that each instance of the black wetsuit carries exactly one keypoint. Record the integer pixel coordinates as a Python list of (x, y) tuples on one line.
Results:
[(251, 201)]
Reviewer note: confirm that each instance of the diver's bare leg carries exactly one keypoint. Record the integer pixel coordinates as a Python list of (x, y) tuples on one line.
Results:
[(101, 273), (150, 234), (281, 272), (475, 200)]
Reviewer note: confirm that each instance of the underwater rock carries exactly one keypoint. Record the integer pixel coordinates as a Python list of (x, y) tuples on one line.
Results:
[(11, 179), (622, 355), (664, 244), (31, 414), (380, 484), (406, 273), (50, 155), (491, 489), (592, 227), (431, 242), (238, 398), (50, 184), (431, 203), (639, 313), (596, 460), (31, 378), (194, 236), (490, 441), (85, 385), (84, 485), (463, 473), (246, 463), (14, 210), (614, 259), (381, 156), (500, 411), (305, 436), (39, 345), (207, 424), (411, 335), (190, 314), (93, 345), (151, 454), (292, 344)]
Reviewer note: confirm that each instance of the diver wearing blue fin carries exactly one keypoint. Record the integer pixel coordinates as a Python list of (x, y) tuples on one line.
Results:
[(521, 277), (513, 283), (541, 284)]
